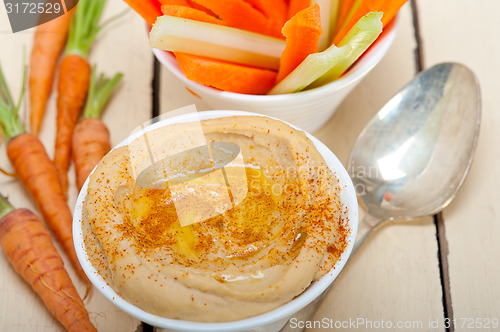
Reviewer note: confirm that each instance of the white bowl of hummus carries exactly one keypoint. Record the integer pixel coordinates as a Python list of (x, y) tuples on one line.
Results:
[(182, 231), (308, 109)]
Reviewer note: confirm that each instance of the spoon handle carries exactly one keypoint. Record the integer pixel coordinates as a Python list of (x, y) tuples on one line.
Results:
[(365, 227)]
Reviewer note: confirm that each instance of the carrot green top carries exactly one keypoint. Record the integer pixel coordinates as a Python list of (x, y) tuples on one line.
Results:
[(99, 92), (84, 26), (5, 206), (9, 118)]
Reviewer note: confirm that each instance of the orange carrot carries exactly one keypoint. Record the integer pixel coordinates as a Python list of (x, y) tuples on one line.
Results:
[(72, 90), (296, 6), (345, 7), (362, 7), (187, 3), (29, 249), (302, 34), (184, 3), (148, 9), (48, 43), (37, 173), (39, 176), (276, 10), (73, 81), (226, 76), (91, 142), (240, 14), (91, 139), (190, 13), (195, 5)]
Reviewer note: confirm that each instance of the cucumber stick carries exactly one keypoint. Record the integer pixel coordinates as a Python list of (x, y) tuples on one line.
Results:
[(360, 37), (216, 41), (329, 13), (314, 66)]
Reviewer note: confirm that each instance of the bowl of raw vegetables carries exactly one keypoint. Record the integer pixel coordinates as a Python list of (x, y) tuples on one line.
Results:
[(295, 60)]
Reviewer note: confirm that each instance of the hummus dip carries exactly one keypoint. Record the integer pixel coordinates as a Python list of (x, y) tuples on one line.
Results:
[(180, 251)]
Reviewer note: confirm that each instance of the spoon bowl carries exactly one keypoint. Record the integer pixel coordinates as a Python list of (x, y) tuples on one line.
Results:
[(413, 156)]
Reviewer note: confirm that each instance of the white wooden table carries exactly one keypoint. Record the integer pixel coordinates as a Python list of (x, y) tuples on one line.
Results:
[(409, 275)]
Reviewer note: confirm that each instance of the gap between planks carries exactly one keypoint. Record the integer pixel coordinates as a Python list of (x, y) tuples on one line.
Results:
[(438, 218), (155, 90)]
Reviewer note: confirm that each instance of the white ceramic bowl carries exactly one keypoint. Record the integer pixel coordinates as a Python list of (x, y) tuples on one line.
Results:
[(308, 109), (269, 322)]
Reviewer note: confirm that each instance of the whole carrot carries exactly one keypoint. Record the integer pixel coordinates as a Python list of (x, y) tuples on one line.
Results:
[(29, 249), (37, 173), (48, 43), (91, 139), (73, 80), (72, 91)]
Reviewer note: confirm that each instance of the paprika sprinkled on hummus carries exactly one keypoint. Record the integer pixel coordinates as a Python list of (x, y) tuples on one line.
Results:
[(179, 250)]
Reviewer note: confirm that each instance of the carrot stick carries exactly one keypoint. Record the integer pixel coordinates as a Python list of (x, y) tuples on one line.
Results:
[(29, 249), (91, 140), (187, 3), (240, 14), (276, 10), (302, 34), (190, 13), (73, 81), (226, 76), (345, 7), (195, 5), (148, 9), (184, 3), (362, 7), (296, 6), (37, 173), (48, 43)]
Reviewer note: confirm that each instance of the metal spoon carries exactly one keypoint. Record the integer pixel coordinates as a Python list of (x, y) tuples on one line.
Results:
[(413, 156)]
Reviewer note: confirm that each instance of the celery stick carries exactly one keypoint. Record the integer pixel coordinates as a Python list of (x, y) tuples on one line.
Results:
[(313, 67), (329, 13), (360, 37), (216, 41)]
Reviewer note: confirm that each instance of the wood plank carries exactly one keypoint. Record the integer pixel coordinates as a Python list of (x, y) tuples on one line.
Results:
[(394, 276), (468, 32), (122, 46)]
